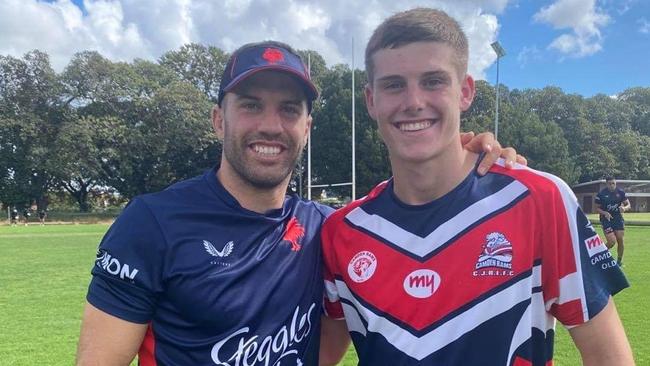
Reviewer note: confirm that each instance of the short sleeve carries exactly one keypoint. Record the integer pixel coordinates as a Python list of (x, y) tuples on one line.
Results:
[(597, 200), (578, 271), (127, 275)]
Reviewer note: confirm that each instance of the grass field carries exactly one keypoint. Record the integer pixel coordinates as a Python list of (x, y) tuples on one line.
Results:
[(45, 270)]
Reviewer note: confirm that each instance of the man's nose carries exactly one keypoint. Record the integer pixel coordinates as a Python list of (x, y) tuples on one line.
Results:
[(271, 123), (413, 99)]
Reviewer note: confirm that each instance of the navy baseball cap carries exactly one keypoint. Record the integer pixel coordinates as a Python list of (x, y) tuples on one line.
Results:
[(248, 60)]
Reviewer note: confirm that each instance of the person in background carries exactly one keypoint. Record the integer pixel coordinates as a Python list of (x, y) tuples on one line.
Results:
[(611, 202), (42, 214)]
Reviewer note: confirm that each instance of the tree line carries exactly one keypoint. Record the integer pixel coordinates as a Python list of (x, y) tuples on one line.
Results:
[(136, 127)]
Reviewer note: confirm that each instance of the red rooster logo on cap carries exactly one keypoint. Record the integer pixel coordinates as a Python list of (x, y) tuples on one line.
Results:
[(273, 55), (293, 233)]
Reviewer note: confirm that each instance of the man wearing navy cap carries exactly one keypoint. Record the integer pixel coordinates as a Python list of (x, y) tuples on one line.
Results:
[(224, 268)]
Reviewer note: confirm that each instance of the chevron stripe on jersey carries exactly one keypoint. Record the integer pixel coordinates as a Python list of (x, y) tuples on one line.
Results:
[(476, 277), (425, 247)]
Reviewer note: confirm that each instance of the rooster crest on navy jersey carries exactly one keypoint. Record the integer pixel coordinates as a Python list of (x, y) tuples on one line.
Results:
[(476, 277)]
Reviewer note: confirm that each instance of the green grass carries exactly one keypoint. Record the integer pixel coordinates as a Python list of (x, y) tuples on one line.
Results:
[(45, 270), (629, 217)]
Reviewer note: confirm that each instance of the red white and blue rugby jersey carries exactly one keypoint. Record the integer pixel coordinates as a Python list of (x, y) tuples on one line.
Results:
[(218, 284), (476, 277)]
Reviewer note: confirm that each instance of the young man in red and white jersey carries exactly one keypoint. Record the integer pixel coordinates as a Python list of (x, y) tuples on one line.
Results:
[(441, 266)]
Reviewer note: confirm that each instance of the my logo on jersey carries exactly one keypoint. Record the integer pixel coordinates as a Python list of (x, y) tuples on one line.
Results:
[(422, 283), (496, 257), (595, 245), (113, 266), (293, 233), (362, 266), (244, 349)]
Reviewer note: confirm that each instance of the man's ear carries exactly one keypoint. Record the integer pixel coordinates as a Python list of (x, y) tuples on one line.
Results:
[(370, 103), (217, 121), (467, 92)]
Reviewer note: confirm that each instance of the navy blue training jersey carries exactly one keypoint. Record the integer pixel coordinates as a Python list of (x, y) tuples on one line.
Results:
[(611, 201), (217, 284)]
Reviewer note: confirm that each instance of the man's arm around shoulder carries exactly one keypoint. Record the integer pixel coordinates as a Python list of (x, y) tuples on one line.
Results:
[(107, 340), (602, 340)]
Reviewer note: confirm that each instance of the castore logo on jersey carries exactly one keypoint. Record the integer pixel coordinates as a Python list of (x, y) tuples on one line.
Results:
[(220, 254), (224, 252), (252, 350)]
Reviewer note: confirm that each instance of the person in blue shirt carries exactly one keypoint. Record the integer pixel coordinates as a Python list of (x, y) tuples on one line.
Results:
[(224, 268), (611, 202)]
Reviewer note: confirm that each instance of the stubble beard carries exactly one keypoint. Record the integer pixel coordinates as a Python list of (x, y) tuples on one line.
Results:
[(236, 155)]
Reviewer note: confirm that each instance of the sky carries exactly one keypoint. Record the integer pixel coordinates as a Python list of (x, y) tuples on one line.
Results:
[(586, 47)]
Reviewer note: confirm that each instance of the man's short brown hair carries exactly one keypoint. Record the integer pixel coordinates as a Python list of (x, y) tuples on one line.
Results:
[(418, 25)]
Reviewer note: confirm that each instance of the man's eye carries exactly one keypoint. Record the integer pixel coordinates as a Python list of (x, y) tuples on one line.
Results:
[(431, 83), (291, 110), (251, 106), (393, 85)]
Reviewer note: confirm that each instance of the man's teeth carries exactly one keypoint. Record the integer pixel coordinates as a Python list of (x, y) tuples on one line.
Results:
[(267, 150), (414, 126)]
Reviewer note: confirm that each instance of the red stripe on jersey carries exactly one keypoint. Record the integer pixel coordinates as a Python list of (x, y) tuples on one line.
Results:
[(521, 362), (146, 354), (570, 312)]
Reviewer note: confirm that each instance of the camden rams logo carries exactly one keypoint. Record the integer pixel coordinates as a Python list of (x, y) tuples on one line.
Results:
[(496, 257), (362, 266)]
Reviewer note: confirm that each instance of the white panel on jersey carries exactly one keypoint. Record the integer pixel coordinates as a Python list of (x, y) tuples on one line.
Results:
[(331, 291), (423, 246), (352, 320), (438, 338), (571, 287)]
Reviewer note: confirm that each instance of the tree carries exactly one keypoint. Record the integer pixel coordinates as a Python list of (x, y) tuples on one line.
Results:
[(639, 104), (171, 139), (198, 65), (480, 115), (80, 148), (542, 143), (30, 116)]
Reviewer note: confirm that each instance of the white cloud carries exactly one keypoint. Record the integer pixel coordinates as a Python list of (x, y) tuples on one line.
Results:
[(644, 26), (528, 54), (126, 29), (585, 21)]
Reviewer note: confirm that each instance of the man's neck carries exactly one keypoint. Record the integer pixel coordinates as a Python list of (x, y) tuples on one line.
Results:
[(421, 183), (260, 200)]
